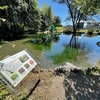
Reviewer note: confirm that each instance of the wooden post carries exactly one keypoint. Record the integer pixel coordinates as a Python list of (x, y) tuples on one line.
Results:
[(39, 71)]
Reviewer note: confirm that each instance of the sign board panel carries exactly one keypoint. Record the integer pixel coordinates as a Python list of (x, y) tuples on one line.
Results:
[(16, 67)]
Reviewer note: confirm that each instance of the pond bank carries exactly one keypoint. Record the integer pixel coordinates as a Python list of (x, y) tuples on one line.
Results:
[(68, 67)]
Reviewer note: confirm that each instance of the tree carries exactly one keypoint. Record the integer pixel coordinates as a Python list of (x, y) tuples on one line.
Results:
[(2, 19), (47, 16), (29, 15), (57, 20), (34, 16), (50, 15), (20, 15), (79, 10), (3, 11), (10, 24)]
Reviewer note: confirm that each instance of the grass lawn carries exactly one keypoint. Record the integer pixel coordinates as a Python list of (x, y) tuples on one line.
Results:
[(83, 30), (7, 48), (60, 29)]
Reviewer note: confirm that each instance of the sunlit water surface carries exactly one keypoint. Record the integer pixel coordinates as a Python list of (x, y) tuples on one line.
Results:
[(88, 59)]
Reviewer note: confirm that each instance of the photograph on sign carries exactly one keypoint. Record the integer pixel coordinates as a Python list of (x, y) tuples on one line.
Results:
[(26, 65), (21, 70), (14, 76), (16, 67), (23, 58)]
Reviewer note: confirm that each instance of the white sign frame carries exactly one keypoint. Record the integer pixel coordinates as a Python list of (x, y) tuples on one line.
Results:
[(17, 66)]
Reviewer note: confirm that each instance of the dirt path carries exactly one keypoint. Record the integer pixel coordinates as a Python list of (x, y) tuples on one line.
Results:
[(68, 86), (51, 87), (74, 86), (57, 90)]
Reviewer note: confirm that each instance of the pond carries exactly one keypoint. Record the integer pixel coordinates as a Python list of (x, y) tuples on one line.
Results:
[(87, 55)]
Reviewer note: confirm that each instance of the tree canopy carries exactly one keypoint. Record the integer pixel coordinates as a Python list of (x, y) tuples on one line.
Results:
[(80, 10), (1, 12), (57, 20), (23, 16), (47, 16)]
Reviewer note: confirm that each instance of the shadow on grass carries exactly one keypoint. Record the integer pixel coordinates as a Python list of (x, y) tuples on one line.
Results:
[(82, 87)]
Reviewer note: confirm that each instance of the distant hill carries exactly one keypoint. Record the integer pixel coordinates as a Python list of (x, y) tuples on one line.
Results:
[(68, 26)]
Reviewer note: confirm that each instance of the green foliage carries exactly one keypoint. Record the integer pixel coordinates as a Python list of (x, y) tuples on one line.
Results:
[(24, 14), (99, 70), (90, 31), (29, 15), (47, 17), (3, 7), (2, 12), (43, 41), (69, 54), (57, 21), (80, 10), (45, 46), (58, 25), (4, 92), (88, 7)]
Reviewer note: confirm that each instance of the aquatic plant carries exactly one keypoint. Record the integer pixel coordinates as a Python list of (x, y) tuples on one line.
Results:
[(69, 54), (40, 39)]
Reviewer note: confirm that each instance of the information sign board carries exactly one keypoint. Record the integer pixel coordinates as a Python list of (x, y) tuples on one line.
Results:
[(16, 67)]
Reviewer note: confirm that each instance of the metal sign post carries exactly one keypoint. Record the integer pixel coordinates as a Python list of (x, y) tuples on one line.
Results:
[(39, 67), (14, 68)]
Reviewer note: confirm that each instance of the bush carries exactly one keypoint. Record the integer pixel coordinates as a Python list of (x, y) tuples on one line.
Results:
[(90, 31), (58, 25), (99, 70), (97, 30)]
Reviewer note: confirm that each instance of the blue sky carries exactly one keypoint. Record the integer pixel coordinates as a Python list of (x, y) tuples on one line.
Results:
[(58, 9)]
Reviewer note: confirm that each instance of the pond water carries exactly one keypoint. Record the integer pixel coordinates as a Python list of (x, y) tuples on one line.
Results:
[(88, 52)]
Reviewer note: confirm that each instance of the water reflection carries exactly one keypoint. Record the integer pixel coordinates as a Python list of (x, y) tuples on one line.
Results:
[(79, 50)]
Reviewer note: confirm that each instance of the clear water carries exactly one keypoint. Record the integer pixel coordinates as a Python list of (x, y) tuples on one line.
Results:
[(88, 59)]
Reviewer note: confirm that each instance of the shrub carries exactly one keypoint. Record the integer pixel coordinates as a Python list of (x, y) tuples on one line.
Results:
[(58, 25), (90, 31)]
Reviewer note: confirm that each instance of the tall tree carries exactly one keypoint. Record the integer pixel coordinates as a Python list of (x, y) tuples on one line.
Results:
[(29, 15), (2, 19), (47, 16), (79, 10), (34, 15), (50, 15), (22, 13), (57, 20), (10, 12), (2, 12)]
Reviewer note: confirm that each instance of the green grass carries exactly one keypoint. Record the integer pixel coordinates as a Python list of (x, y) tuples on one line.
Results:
[(60, 29), (4, 92), (8, 49), (83, 30)]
